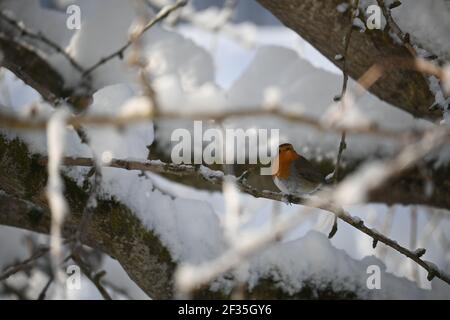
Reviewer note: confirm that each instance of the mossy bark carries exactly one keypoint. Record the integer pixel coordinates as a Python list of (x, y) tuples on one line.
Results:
[(114, 229)]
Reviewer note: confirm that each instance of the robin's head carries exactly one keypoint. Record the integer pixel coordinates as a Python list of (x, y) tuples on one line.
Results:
[(286, 151)]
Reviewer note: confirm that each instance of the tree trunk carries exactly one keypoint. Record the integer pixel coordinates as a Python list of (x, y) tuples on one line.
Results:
[(323, 26)]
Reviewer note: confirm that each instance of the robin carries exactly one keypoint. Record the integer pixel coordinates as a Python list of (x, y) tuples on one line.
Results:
[(295, 175)]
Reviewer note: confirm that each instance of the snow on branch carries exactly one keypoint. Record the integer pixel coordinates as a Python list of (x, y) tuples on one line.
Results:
[(352, 189), (23, 31)]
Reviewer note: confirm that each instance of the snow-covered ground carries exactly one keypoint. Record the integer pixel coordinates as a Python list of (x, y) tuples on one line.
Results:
[(199, 70)]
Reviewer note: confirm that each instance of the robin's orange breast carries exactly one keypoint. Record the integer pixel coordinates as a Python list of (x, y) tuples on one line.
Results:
[(284, 164)]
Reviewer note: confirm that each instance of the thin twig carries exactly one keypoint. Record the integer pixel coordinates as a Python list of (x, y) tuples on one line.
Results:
[(343, 143), (166, 11), (404, 37), (149, 165), (347, 39), (395, 28), (18, 123), (365, 82), (138, 61), (45, 289), (23, 265), (41, 37)]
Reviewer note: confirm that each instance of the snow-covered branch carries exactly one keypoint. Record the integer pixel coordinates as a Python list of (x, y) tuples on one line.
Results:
[(23, 31), (355, 188)]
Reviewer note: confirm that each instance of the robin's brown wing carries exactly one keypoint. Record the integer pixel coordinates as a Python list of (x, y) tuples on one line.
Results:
[(308, 171)]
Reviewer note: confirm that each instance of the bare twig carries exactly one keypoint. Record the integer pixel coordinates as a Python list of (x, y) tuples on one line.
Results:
[(139, 62), (13, 122), (366, 81), (40, 37), (343, 144), (23, 265), (395, 28), (149, 165), (43, 293), (347, 39), (162, 14)]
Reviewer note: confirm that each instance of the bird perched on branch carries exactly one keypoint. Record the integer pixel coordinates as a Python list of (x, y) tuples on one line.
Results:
[(295, 175)]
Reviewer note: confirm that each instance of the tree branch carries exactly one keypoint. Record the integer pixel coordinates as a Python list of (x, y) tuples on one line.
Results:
[(35, 71), (405, 188), (41, 37), (356, 187), (320, 23), (114, 229)]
